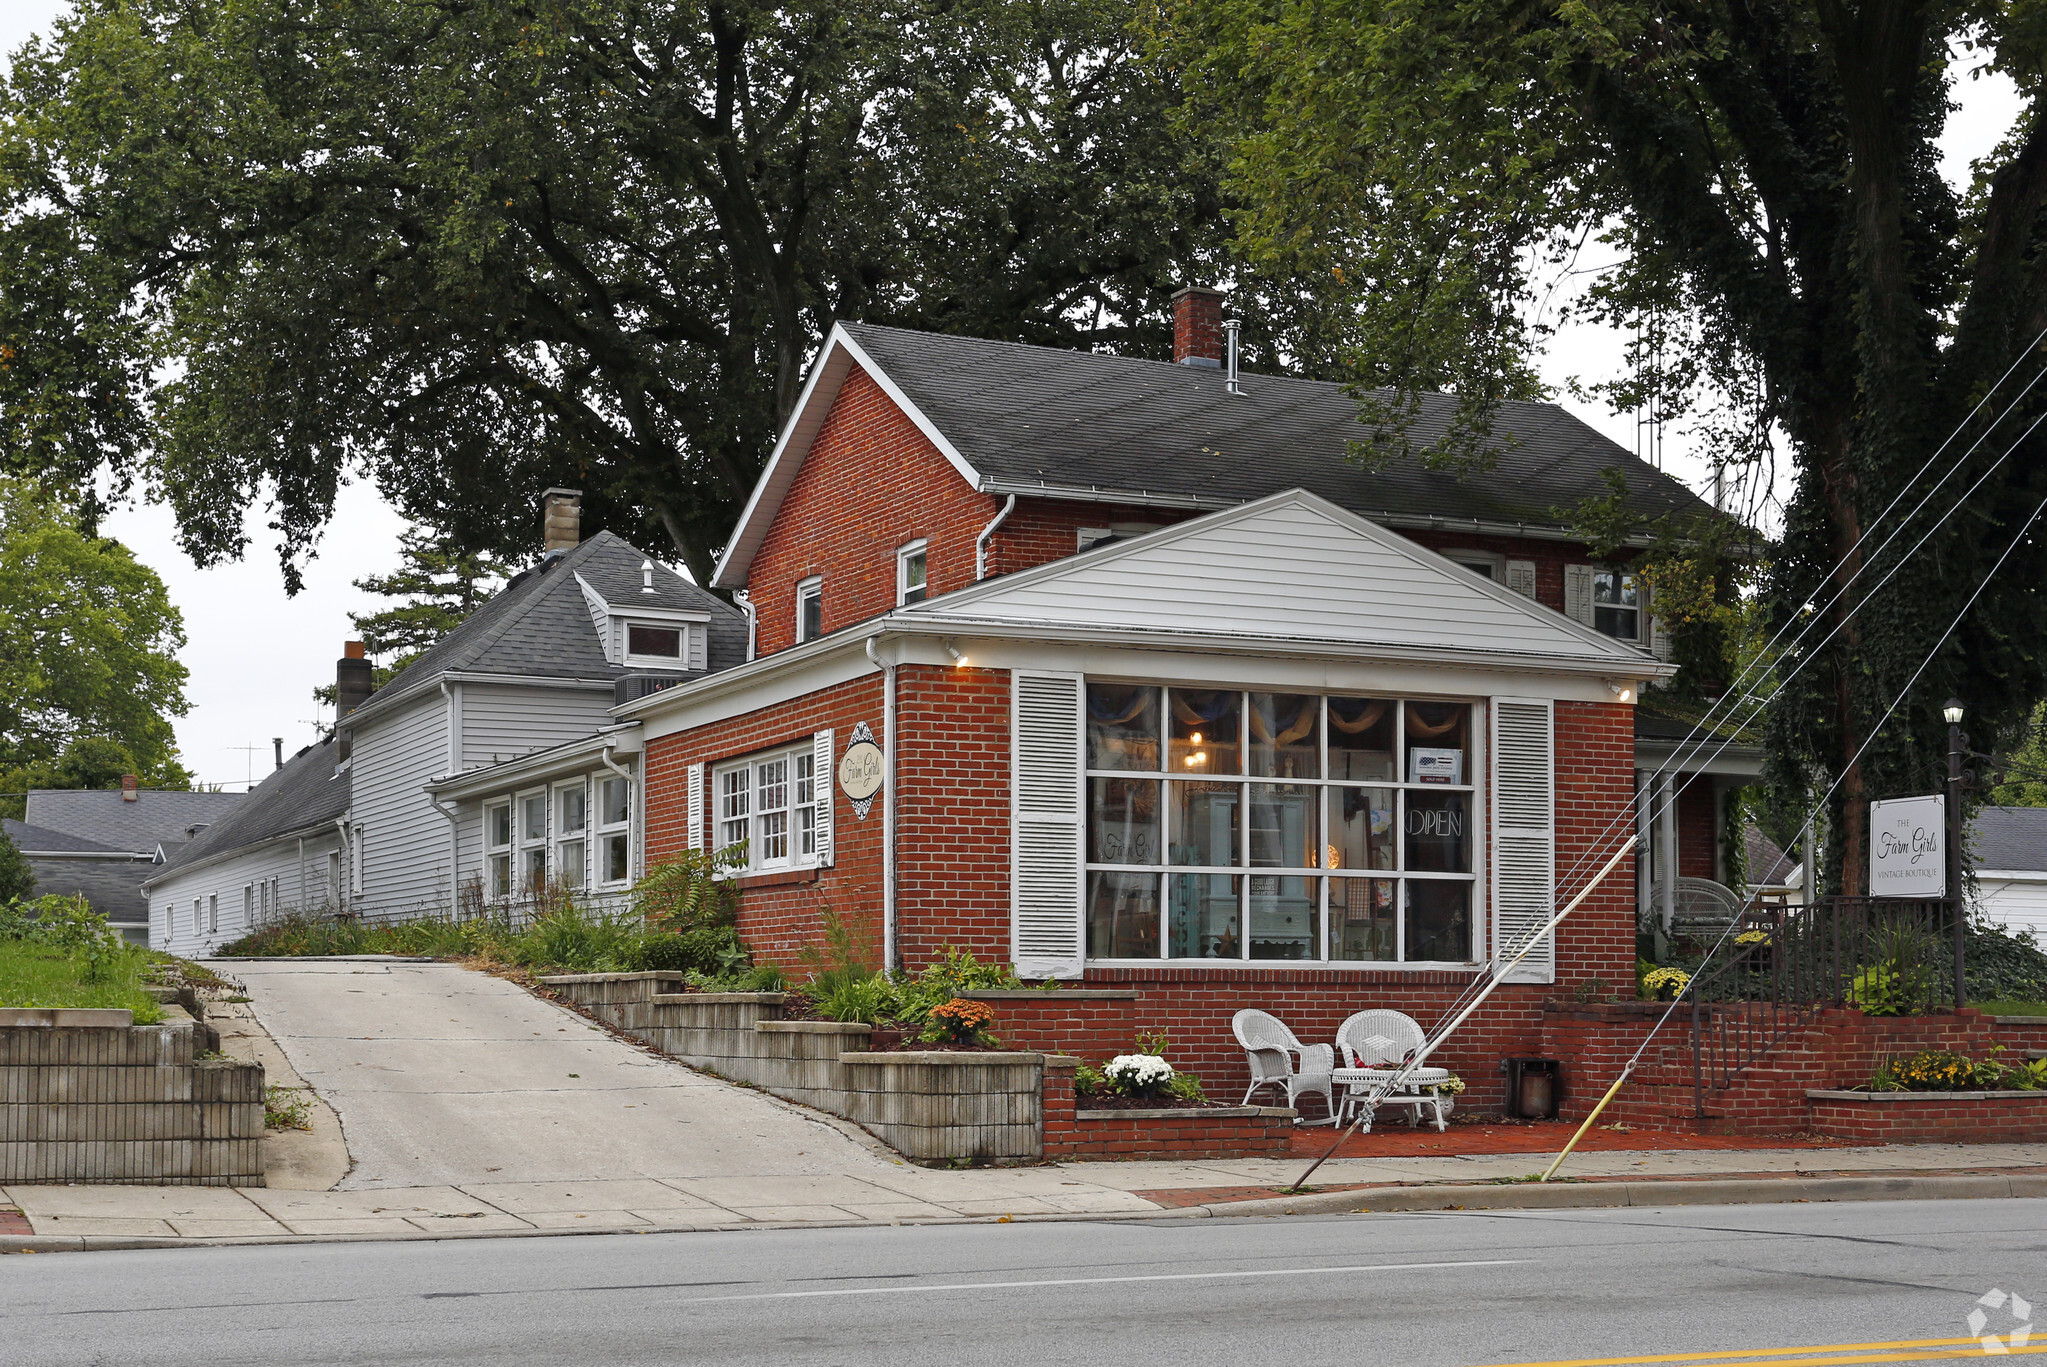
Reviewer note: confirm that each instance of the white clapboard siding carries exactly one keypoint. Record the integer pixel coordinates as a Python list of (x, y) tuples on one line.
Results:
[(1520, 577), (402, 863), (696, 807), (1578, 593), (1524, 833), (504, 721), (1286, 568), (2015, 901), (172, 931), (827, 792), (1047, 934)]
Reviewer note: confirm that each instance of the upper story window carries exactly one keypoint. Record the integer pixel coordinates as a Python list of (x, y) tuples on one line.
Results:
[(649, 644), (910, 573), (1478, 562), (809, 609), (1232, 825), (1616, 605), (769, 803)]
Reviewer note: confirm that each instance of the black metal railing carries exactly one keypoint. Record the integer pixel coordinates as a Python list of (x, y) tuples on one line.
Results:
[(1784, 964)]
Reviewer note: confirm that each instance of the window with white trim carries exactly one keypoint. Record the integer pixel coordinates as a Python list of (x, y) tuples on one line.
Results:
[(768, 802), (809, 609), (656, 643), (497, 849), (1478, 562), (614, 831), (572, 827), (1616, 604), (910, 586), (533, 843), (1240, 825)]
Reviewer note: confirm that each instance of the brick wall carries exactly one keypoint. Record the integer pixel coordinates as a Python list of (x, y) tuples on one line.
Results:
[(1934, 1117), (952, 812), (1698, 823), (780, 913)]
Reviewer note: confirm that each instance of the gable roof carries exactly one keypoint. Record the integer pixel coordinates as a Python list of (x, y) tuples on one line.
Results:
[(1292, 566), (42, 839), (157, 816), (305, 794), (539, 625), (113, 887), (2013, 838), (1053, 423)]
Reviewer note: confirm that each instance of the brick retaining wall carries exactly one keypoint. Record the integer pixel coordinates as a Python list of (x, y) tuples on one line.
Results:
[(1930, 1117), (88, 1096)]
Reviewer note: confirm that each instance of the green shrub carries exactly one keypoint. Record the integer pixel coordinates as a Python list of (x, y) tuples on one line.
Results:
[(686, 891), (713, 952), (2003, 966)]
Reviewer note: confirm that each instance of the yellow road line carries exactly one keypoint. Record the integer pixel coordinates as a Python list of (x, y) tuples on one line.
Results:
[(1772, 1357)]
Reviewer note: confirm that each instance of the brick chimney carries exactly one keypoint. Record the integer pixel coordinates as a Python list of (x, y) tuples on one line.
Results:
[(1198, 326), (352, 688), (131, 787), (561, 524)]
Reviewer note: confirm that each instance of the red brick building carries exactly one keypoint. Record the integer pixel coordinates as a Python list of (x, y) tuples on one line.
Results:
[(1131, 678)]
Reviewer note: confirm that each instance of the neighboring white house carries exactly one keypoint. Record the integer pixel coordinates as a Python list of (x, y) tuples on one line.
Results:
[(2008, 851), (536, 669)]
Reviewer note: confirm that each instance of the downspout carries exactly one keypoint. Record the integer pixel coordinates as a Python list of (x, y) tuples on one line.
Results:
[(981, 541), (888, 807), (632, 811), (740, 597)]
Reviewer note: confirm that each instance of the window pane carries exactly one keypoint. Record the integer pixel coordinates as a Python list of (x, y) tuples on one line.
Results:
[(1363, 919), (1361, 739), (1616, 622), (1123, 820), (1286, 735), (1283, 819), (774, 835), (536, 817), (771, 787), (1436, 742), (1122, 727), (1438, 920), (1202, 731), (1123, 915), (615, 799), (666, 642), (735, 796), (1438, 831), (1284, 918), (810, 613), (501, 826), (570, 809), (1201, 821), (804, 786), (570, 868), (617, 862), (1203, 918), (1612, 586), (913, 577), (1361, 822), (534, 879)]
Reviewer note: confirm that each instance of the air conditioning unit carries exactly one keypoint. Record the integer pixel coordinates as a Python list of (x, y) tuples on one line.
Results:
[(632, 687)]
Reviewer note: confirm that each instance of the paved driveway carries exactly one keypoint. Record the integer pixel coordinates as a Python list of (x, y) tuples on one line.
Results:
[(443, 1076)]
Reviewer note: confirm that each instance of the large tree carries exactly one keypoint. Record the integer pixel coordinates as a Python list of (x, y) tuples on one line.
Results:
[(1767, 174), (473, 248)]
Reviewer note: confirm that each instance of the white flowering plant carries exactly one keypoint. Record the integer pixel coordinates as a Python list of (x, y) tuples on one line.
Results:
[(1139, 1074)]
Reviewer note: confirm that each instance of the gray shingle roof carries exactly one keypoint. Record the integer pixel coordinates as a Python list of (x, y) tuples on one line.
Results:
[(27, 837), (1767, 865), (157, 816), (306, 792), (2009, 838), (112, 886), (1021, 415), (539, 625)]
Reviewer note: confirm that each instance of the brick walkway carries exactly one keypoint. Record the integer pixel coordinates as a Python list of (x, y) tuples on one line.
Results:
[(14, 1222), (1546, 1136)]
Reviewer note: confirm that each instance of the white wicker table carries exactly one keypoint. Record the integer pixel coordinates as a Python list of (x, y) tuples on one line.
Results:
[(1358, 1083)]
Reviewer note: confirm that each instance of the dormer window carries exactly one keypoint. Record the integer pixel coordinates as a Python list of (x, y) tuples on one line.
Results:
[(910, 574), (660, 645)]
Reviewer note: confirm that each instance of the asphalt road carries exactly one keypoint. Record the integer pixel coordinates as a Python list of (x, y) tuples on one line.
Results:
[(1684, 1285)]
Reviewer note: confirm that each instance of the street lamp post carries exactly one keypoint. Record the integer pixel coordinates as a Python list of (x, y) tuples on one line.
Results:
[(1956, 744)]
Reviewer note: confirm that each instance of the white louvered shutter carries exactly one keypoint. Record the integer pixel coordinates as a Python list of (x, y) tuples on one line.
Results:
[(1659, 640), (827, 786), (1521, 577), (696, 806), (1524, 834), (1047, 938), (1578, 593)]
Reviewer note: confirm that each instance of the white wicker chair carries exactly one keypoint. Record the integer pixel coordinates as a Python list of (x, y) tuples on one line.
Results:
[(1272, 1050), (1382, 1041)]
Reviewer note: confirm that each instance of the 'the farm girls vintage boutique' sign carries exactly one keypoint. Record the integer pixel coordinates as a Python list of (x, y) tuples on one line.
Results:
[(860, 770), (1908, 847)]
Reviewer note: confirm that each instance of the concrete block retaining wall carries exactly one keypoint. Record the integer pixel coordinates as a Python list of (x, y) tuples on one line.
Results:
[(88, 1096)]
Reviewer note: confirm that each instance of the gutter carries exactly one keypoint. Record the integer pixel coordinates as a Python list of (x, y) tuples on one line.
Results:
[(889, 957), (298, 833)]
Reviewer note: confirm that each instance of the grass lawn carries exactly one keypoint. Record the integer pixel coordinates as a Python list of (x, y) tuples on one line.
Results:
[(40, 975), (2012, 1008)]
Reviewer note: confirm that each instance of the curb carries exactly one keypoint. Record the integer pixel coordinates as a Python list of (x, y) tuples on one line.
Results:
[(1715, 1191)]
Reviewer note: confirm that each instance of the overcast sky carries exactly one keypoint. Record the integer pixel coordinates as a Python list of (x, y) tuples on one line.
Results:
[(255, 655)]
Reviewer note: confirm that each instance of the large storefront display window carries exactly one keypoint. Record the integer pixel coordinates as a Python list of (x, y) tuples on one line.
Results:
[(1234, 825)]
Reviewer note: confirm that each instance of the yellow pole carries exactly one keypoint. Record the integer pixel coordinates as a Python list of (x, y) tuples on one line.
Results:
[(1588, 1122)]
